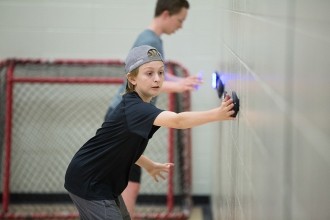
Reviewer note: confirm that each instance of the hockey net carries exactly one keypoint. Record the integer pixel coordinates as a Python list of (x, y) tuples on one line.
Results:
[(48, 109)]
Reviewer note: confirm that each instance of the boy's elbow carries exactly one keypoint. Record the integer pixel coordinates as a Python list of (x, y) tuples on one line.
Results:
[(174, 120), (181, 125)]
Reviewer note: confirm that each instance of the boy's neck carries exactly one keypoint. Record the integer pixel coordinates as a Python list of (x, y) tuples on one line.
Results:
[(156, 26)]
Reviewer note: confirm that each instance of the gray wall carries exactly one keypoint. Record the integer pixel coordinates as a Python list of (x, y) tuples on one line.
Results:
[(274, 161)]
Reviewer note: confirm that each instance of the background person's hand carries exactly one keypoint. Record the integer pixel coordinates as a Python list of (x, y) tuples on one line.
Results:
[(181, 84), (191, 83)]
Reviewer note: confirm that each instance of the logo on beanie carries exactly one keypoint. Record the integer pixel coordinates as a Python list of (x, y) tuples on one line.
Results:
[(153, 53)]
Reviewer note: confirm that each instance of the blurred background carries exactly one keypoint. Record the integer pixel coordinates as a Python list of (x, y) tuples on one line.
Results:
[(273, 161)]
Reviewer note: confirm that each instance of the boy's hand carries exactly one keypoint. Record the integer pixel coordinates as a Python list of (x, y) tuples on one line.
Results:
[(226, 108), (158, 169)]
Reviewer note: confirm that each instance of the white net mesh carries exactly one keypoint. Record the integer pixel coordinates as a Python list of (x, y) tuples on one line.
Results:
[(52, 119)]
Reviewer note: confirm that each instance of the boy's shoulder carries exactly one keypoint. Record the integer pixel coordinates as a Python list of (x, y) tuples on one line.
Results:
[(133, 101), (148, 37)]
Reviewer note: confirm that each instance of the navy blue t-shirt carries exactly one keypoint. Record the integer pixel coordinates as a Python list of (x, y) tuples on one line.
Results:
[(100, 168)]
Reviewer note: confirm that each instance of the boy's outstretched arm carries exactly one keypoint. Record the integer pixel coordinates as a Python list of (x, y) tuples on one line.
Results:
[(153, 168), (191, 119)]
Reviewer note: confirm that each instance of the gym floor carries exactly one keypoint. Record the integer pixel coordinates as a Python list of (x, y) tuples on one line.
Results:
[(201, 213), (197, 214)]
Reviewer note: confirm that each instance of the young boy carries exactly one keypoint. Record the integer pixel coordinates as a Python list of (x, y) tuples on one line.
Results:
[(98, 172), (169, 17)]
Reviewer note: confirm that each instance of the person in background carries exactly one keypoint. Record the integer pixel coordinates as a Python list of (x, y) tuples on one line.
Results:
[(98, 173), (169, 16)]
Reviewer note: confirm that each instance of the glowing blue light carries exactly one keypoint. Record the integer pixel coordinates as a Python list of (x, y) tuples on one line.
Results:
[(215, 79)]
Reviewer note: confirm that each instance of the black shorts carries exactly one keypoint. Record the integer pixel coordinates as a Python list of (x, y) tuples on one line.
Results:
[(135, 174)]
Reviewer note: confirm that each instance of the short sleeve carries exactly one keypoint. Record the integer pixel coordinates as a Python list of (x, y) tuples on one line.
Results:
[(140, 119)]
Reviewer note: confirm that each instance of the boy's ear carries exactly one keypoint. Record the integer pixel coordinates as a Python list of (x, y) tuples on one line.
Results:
[(131, 78), (166, 14)]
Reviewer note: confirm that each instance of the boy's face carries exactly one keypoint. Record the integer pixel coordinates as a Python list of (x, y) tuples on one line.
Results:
[(175, 21), (149, 80)]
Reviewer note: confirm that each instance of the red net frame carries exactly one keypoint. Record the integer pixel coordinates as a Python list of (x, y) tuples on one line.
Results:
[(9, 80)]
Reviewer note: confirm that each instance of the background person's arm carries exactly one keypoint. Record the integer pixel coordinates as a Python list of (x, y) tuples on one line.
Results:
[(181, 84)]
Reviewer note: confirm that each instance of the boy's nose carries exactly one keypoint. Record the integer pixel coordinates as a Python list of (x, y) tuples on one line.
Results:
[(156, 78)]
